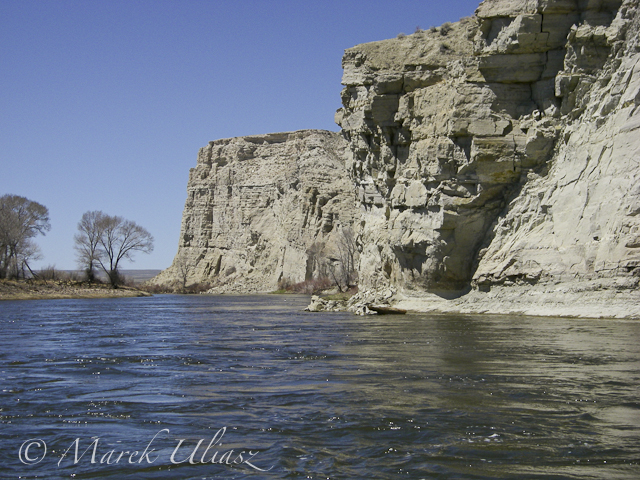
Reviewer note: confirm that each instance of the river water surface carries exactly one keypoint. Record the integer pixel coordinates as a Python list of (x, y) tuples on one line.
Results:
[(239, 387)]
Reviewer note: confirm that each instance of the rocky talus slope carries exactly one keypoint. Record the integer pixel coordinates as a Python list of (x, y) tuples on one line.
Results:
[(259, 209), (497, 160)]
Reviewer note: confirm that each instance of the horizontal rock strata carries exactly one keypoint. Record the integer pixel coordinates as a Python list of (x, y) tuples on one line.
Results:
[(488, 165), (258, 209), (499, 151)]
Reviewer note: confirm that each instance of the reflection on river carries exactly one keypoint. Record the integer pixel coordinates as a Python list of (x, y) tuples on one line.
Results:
[(199, 387)]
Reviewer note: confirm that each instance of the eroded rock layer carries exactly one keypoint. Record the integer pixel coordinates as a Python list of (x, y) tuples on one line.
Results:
[(257, 205), (500, 149), (494, 162)]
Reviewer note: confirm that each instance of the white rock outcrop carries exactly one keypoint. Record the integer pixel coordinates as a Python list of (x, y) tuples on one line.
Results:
[(488, 165), (258, 208), (498, 158)]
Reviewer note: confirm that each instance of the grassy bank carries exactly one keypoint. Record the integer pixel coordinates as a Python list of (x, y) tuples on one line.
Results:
[(50, 289)]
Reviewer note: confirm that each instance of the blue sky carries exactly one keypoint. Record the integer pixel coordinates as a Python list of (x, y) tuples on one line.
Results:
[(104, 104)]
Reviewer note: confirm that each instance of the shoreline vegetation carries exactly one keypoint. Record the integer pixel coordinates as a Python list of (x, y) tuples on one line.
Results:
[(51, 283), (70, 287), (616, 306), (101, 243), (61, 289), (58, 284)]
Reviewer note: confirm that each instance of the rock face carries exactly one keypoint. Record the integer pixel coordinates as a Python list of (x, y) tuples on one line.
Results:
[(500, 150), (578, 220), (495, 164), (258, 209)]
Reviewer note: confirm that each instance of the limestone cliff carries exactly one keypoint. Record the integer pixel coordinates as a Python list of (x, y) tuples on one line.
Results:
[(498, 151), (259, 207), (494, 163)]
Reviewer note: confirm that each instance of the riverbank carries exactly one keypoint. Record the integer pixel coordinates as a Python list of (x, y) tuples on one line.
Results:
[(52, 289), (604, 298), (587, 299)]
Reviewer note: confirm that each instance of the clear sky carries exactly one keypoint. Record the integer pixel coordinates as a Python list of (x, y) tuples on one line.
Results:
[(104, 104)]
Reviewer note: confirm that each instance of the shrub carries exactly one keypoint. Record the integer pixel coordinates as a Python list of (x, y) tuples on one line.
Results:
[(153, 289), (284, 285), (342, 296), (445, 28), (49, 273), (73, 276), (200, 287), (308, 287)]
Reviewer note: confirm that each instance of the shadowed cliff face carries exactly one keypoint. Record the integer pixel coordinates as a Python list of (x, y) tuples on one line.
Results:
[(447, 126)]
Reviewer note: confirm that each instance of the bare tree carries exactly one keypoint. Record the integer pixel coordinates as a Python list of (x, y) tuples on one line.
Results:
[(347, 254), (107, 240), (183, 269), (121, 239), (87, 242), (336, 274), (21, 219), (342, 262), (28, 251)]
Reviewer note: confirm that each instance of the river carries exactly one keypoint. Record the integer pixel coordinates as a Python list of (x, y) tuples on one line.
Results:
[(251, 387)]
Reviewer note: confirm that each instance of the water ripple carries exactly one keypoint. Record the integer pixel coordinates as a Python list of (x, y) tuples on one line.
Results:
[(312, 395)]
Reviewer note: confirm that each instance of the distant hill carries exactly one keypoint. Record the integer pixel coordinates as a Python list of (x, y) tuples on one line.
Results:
[(139, 276)]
